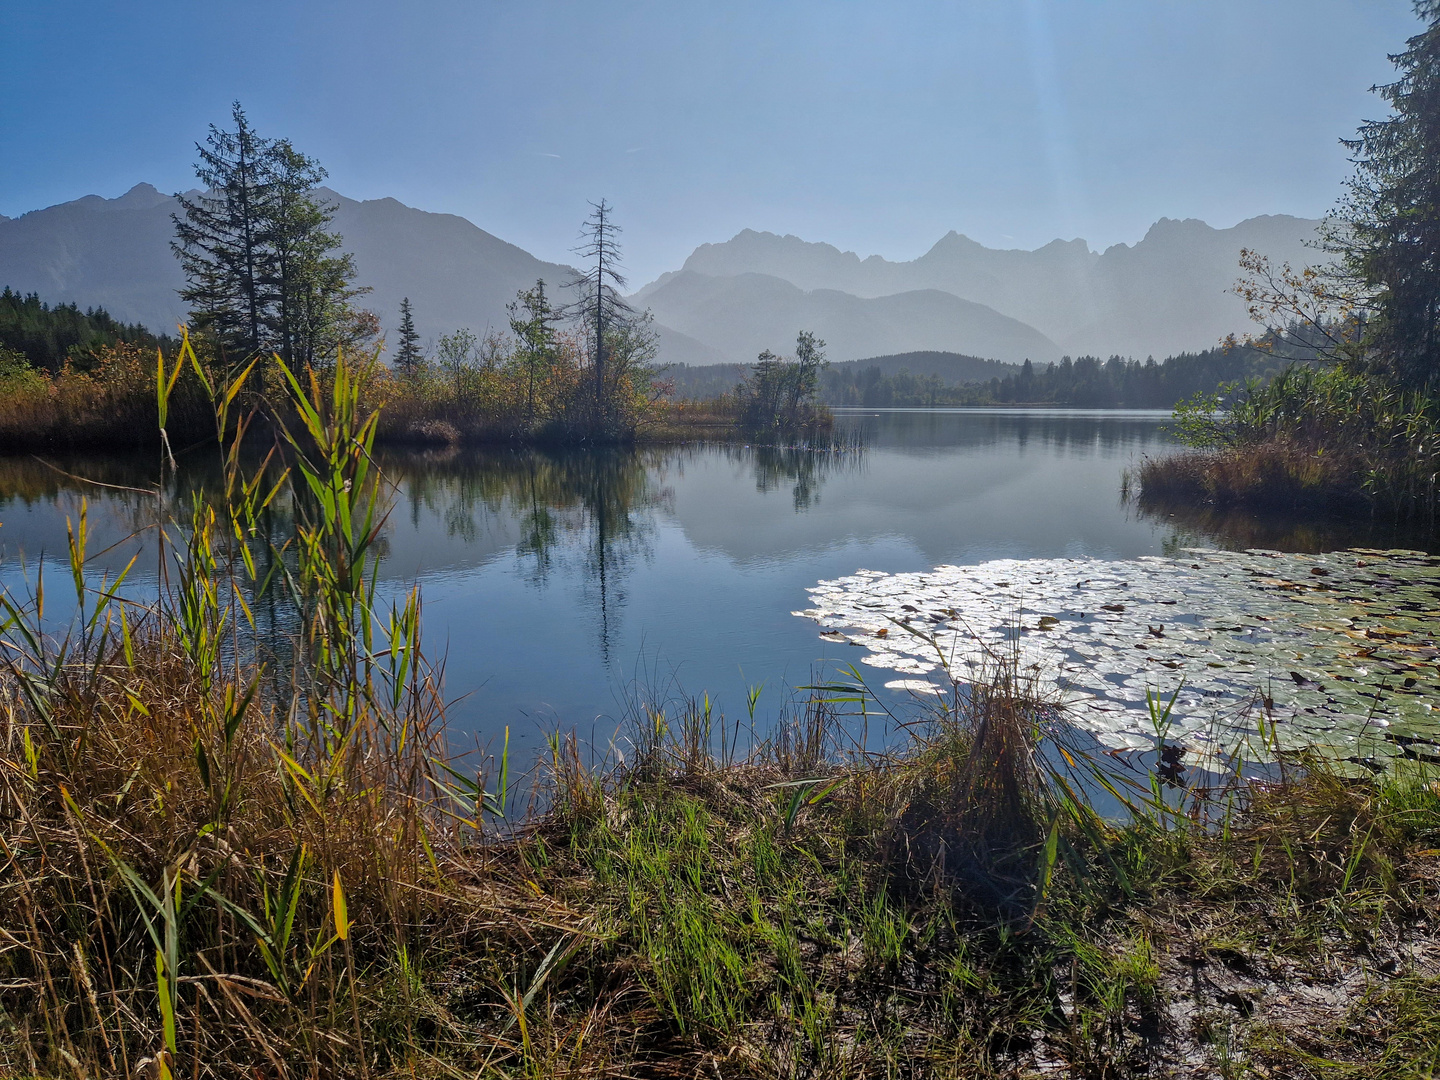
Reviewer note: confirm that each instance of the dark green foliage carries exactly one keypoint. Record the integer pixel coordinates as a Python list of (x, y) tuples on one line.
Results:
[(49, 336), (778, 396), (309, 288), (218, 239), (260, 266), (703, 382), (1087, 382), (1314, 437), (408, 355), (532, 321), (1387, 232)]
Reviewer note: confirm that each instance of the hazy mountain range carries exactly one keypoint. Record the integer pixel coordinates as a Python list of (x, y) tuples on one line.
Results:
[(115, 253), (1167, 293)]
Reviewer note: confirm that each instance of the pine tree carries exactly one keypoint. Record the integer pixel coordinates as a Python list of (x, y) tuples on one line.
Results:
[(535, 332), (1386, 229), (261, 265), (218, 240), (408, 356), (309, 287)]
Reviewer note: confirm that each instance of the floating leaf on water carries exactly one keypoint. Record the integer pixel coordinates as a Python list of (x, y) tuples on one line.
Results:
[(914, 686), (1234, 626)]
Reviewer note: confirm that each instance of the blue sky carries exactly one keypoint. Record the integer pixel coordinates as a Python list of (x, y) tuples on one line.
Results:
[(876, 127)]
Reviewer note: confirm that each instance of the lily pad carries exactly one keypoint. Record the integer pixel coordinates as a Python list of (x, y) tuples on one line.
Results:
[(1228, 627)]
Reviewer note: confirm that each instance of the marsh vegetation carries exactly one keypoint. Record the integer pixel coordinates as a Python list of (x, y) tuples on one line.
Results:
[(212, 870)]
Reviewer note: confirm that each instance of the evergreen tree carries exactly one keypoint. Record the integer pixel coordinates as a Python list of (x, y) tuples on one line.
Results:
[(1387, 227), (309, 287), (219, 238), (261, 264), (50, 337), (408, 356), (535, 332)]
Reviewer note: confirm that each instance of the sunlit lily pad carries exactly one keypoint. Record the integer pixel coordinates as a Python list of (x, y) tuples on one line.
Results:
[(1343, 645)]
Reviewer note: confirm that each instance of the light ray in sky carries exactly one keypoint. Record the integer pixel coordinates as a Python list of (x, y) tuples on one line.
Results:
[(1067, 180)]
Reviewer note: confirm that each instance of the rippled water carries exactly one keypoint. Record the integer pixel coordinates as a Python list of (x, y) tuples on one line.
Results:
[(555, 582)]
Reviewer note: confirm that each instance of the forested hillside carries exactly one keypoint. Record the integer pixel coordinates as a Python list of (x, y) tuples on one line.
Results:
[(923, 379), (48, 336)]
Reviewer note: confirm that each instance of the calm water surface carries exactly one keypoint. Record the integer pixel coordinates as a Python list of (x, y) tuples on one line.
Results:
[(560, 583), (557, 584)]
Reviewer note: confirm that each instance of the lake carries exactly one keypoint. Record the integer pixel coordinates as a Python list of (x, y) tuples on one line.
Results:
[(559, 585)]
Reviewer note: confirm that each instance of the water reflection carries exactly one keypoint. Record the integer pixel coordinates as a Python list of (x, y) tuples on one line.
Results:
[(1061, 431), (550, 579), (803, 470), (599, 504), (1236, 530), (586, 516)]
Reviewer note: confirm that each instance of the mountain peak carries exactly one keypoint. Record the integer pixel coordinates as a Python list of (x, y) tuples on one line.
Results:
[(750, 239), (953, 241), (1167, 227), (140, 197), (1164, 293), (116, 253)]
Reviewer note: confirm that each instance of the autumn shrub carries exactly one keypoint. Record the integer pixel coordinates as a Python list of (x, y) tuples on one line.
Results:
[(1314, 438), (109, 405)]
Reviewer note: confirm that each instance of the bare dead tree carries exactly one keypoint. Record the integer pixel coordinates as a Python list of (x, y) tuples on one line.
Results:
[(600, 308)]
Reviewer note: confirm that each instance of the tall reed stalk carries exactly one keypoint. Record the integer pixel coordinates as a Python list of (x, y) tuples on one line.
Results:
[(174, 796)]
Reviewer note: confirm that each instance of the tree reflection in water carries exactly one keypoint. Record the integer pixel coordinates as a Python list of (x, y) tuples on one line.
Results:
[(805, 470), (597, 509), (589, 515), (596, 506)]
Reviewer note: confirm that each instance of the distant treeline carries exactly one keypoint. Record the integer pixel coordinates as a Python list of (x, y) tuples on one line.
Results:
[(1086, 382), (923, 379), (1089, 382), (913, 376), (702, 382), (49, 336)]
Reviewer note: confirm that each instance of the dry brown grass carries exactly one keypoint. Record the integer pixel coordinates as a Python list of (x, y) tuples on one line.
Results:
[(108, 785), (1278, 475)]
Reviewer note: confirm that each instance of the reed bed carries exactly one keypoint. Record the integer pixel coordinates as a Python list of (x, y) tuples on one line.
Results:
[(221, 863), (1318, 440)]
